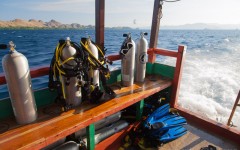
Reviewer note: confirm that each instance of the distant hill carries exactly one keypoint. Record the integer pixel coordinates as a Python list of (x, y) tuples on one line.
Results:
[(198, 26), (52, 24), (32, 23)]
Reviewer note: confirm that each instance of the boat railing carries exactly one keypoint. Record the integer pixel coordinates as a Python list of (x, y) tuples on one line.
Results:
[(180, 57)]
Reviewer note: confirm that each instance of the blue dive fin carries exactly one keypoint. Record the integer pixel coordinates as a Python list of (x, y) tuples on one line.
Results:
[(172, 134), (167, 122), (157, 114)]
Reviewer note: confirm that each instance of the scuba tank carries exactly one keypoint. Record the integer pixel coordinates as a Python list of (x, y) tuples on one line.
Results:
[(71, 87), (141, 58), (127, 53), (17, 74), (93, 73), (97, 67), (66, 73)]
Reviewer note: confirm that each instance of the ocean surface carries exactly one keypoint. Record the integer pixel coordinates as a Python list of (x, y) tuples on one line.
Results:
[(211, 74)]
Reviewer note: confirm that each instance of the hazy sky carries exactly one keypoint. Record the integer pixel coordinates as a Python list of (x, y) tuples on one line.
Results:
[(123, 12)]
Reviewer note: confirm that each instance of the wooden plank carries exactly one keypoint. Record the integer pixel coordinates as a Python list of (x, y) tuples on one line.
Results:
[(114, 57), (2, 79), (197, 139), (46, 131), (210, 126), (165, 52)]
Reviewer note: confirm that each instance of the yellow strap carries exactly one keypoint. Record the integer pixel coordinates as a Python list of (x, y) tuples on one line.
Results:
[(59, 52), (101, 63), (91, 62), (61, 48), (60, 71), (70, 58), (56, 52), (99, 50), (108, 75)]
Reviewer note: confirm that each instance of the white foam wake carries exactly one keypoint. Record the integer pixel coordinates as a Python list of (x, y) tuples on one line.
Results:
[(211, 81)]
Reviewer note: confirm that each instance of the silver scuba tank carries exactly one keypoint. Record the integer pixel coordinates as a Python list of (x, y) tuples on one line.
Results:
[(71, 88), (17, 74), (93, 74), (127, 53), (141, 58)]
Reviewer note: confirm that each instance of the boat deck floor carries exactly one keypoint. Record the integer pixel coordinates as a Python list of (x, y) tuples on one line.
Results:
[(195, 139)]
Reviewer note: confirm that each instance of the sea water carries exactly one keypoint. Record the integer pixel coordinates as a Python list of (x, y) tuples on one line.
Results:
[(210, 80)]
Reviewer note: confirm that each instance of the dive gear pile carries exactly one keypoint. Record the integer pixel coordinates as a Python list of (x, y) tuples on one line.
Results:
[(74, 72), (17, 74)]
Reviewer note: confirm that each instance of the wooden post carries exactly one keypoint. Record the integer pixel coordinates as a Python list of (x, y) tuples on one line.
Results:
[(234, 108), (157, 14), (99, 22), (140, 106), (177, 75), (91, 137)]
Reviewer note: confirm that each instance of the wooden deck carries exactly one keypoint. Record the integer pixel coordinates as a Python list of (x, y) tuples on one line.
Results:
[(50, 128), (195, 139)]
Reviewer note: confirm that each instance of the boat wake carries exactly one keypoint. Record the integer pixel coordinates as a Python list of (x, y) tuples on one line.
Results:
[(211, 79)]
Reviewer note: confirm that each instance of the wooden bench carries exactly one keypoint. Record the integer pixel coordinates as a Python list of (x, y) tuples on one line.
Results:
[(48, 129)]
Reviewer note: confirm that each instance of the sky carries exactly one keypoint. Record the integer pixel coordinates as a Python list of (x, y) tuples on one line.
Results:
[(132, 13)]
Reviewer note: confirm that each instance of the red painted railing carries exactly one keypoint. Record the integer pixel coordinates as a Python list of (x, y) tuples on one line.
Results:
[(36, 72), (41, 71), (180, 56)]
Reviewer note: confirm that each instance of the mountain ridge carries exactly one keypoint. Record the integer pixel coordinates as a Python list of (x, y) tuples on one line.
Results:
[(32, 23), (53, 24)]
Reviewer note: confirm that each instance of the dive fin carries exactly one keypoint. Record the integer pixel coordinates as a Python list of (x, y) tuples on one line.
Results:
[(167, 122), (172, 134), (157, 114)]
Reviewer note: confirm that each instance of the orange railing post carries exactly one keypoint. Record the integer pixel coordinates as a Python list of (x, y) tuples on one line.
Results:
[(177, 75)]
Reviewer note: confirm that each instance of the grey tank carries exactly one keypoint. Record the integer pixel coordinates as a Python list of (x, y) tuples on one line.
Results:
[(17, 74), (109, 130), (127, 53), (141, 58), (72, 90)]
